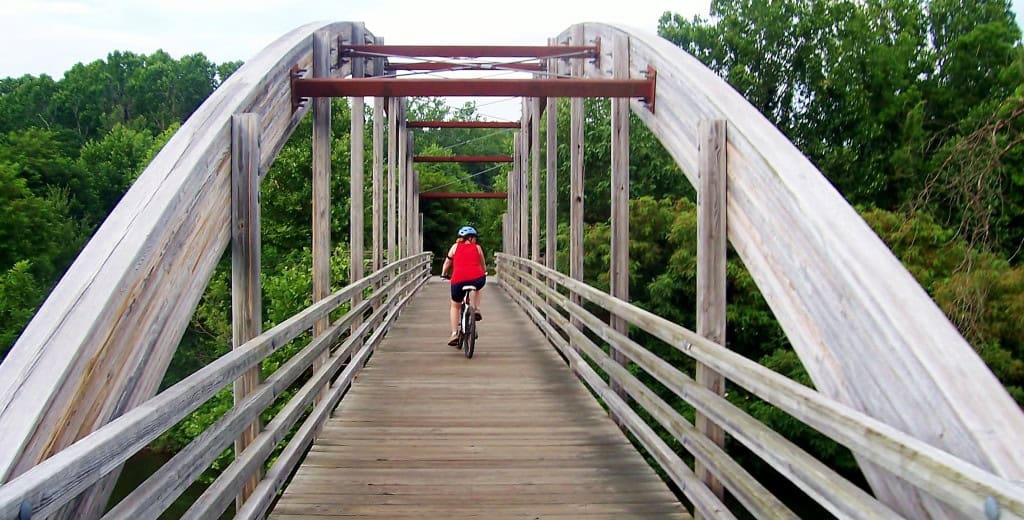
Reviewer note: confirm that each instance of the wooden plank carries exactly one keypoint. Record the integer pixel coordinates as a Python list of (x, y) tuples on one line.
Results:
[(67, 473), (577, 121), (246, 292), (535, 181), (410, 175), (321, 185), (434, 452), (844, 289), (711, 262), (356, 196), (551, 190), (392, 181), (936, 472), (403, 180), (524, 181), (378, 184), (101, 343), (619, 268)]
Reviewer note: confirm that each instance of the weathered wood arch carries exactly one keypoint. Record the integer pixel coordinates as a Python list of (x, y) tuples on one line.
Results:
[(103, 339), (867, 333)]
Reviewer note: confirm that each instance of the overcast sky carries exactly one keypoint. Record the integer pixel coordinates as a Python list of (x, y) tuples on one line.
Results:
[(49, 36)]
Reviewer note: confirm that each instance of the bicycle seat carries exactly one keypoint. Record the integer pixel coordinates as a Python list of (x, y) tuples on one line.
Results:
[(469, 288)]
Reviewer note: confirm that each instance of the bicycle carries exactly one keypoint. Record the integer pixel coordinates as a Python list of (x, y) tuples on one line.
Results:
[(467, 322)]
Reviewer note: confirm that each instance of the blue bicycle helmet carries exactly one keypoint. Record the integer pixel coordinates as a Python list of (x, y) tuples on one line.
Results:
[(466, 231)]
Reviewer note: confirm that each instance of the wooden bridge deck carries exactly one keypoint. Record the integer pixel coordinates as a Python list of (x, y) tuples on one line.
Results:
[(425, 432)]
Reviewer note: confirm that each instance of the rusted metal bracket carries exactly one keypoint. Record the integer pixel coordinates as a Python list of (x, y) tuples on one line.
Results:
[(652, 78), (293, 75)]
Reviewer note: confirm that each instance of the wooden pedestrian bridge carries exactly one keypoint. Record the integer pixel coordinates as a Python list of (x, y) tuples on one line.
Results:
[(561, 413)]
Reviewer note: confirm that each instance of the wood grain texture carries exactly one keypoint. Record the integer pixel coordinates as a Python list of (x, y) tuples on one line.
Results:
[(321, 225), (535, 106), (378, 185), (246, 291), (866, 331), (711, 263), (392, 218), (956, 482), (577, 124), (101, 343), (619, 268), (426, 432)]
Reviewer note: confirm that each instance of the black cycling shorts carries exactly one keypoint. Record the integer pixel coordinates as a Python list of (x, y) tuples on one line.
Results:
[(457, 287)]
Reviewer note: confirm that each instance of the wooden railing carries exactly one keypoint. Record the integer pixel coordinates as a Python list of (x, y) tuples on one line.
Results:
[(349, 341), (966, 488)]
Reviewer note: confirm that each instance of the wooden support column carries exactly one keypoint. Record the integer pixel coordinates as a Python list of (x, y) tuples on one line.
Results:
[(392, 184), (410, 194), (355, 216), (535, 180), (415, 201), (619, 275), (246, 292), (524, 184), (551, 194), (513, 190), (711, 277), (403, 167), (504, 232), (378, 184), (577, 121), (321, 188)]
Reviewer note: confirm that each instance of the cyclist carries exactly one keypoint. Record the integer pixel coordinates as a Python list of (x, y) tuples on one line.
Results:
[(468, 267)]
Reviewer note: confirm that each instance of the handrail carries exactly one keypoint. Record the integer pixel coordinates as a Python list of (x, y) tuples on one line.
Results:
[(828, 278), (949, 479), (60, 478)]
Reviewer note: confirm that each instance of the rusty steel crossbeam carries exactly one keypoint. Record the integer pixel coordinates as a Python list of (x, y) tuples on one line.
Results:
[(442, 66), (461, 158), (462, 124), (473, 51), (429, 195), (385, 87)]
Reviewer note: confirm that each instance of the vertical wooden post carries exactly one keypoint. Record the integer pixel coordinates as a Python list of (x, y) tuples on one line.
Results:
[(321, 188), (711, 277), (551, 195), (619, 275), (246, 292), (415, 201), (576, 177), (392, 186), (403, 166), (410, 176), (524, 178), (535, 180), (378, 183), (355, 216), (513, 194), (504, 233)]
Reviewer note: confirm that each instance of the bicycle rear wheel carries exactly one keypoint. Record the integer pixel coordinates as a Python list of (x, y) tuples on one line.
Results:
[(470, 339)]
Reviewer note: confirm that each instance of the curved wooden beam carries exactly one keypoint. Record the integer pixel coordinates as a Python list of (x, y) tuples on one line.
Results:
[(867, 333), (102, 341)]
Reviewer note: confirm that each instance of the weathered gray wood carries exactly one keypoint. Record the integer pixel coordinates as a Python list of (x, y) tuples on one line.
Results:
[(246, 292), (215, 499), (535, 181), (378, 183), (392, 181), (577, 120), (956, 482), (356, 197), (711, 251), (619, 268), (551, 192), (406, 429), (120, 311), (410, 194), (835, 493), (834, 286), (63, 476), (293, 453), (504, 233), (403, 180), (524, 180), (706, 503), (321, 184)]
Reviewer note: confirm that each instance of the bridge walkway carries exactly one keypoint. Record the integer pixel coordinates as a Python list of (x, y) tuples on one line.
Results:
[(425, 432)]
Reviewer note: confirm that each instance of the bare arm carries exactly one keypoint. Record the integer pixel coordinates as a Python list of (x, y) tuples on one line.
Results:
[(448, 261)]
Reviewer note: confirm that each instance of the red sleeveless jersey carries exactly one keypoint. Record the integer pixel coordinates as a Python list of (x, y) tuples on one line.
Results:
[(466, 263)]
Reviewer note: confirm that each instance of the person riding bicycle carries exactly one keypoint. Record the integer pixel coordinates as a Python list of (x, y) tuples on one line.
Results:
[(468, 267)]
